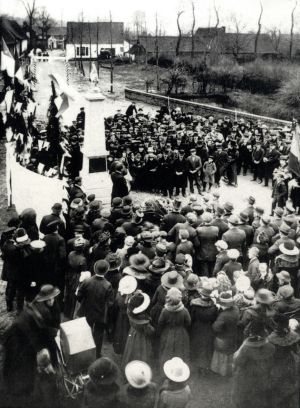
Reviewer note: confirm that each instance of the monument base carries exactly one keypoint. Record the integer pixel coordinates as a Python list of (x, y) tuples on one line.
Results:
[(99, 184)]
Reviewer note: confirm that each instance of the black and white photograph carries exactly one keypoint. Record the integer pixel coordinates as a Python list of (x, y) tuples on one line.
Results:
[(150, 204)]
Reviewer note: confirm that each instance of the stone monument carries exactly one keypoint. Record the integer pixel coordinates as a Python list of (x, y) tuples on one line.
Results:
[(94, 173)]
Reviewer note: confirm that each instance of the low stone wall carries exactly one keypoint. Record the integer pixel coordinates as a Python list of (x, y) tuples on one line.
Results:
[(198, 108)]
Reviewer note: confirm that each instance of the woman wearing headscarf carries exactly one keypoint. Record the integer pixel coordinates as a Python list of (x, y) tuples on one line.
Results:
[(139, 340), (251, 369), (203, 314), (173, 326), (284, 373), (127, 287), (102, 389), (226, 335)]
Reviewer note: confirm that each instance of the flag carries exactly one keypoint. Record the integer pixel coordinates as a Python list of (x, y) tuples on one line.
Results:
[(7, 60), (64, 105), (19, 75), (294, 158), (9, 99)]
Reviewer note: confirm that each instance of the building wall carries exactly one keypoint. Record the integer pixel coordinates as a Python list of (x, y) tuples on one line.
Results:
[(70, 49)]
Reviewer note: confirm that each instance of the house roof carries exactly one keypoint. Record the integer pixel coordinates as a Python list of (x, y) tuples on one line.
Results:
[(77, 29), (167, 44), (224, 41), (11, 31), (61, 31), (245, 43)]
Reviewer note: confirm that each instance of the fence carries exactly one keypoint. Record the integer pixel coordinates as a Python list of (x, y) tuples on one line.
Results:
[(198, 108)]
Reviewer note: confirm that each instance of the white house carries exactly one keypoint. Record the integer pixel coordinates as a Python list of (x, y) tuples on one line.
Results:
[(82, 39)]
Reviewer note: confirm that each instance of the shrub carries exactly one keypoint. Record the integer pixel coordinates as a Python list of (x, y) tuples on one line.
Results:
[(164, 61)]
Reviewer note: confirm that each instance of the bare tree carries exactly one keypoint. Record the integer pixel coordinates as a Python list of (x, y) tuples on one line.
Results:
[(97, 46), (81, 27), (111, 55), (90, 46), (31, 11), (238, 40), (275, 35), (44, 23), (217, 16), (193, 30), (292, 29), (139, 22), (258, 29), (179, 33), (156, 51)]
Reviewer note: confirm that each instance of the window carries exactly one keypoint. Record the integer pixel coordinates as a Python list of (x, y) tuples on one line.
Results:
[(84, 51)]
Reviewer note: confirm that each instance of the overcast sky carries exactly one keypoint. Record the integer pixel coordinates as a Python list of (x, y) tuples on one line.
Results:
[(276, 12)]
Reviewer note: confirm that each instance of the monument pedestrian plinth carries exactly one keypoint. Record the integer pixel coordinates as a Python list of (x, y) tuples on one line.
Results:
[(95, 176)]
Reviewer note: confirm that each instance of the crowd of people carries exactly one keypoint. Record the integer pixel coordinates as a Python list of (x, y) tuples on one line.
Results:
[(172, 151), (181, 290), (51, 149), (198, 288)]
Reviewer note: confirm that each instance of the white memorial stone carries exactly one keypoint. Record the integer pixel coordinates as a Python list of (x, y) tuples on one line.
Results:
[(95, 177)]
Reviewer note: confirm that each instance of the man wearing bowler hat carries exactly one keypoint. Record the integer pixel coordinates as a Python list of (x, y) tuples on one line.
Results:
[(96, 297)]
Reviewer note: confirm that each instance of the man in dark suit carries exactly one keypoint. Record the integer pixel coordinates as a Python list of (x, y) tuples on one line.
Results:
[(271, 161), (206, 252), (279, 192), (173, 217), (131, 109), (257, 159), (244, 220), (250, 209), (55, 257), (96, 298), (194, 165), (180, 173), (219, 222), (235, 237), (54, 216), (119, 188)]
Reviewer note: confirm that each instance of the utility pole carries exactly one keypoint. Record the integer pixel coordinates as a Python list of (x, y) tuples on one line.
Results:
[(111, 57)]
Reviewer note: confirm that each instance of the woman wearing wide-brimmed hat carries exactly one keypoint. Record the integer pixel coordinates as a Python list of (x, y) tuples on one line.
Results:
[(288, 260), (175, 392), (284, 374), (138, 267), (139, 340), (226, 333), (173, 325), (158, 267), (102, 389), (31, 336), (262, 310), (168, 280), (203, 314), (140, 390), (252, 364), (127, 287)]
